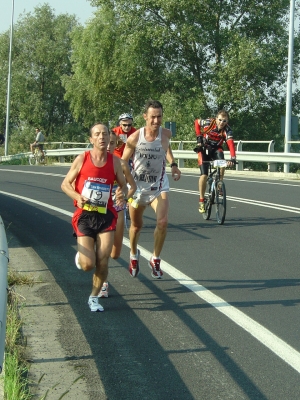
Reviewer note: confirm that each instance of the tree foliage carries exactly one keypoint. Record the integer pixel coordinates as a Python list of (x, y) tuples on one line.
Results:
[(41, 56), (194, 56), (210, 53)]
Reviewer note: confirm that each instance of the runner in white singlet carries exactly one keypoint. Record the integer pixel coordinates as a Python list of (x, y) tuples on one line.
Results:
[(149, 168), (150, 148)]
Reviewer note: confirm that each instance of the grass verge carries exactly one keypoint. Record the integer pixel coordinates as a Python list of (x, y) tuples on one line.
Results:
[(15, 365)]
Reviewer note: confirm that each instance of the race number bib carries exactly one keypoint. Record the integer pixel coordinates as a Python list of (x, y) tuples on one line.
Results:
[(98, 195), (220, 163)]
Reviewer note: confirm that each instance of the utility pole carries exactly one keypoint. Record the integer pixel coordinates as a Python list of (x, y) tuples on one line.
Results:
[(288, 112), (9, 80)]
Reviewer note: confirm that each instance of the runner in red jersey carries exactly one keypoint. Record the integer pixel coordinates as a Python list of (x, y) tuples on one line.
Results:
[(89, 183), (123, 131), (211, 134)]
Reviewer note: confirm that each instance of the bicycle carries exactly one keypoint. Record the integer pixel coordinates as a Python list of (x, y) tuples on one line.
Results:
[(216, 192), (37, 157)]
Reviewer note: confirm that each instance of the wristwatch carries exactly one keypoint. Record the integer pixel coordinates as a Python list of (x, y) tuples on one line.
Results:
[(174, 164)]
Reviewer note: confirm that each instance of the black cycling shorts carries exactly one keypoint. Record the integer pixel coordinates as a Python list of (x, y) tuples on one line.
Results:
[(215, 154)]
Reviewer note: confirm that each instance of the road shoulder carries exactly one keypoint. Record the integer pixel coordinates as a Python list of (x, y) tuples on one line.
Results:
[(48, 319)]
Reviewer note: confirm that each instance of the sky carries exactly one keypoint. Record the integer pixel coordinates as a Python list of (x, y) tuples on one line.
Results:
[(81, 8)]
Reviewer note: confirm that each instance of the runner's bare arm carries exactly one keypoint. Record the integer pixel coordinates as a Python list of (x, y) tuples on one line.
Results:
[(122, 190), (129, 179), (130, 145), (176, 173)]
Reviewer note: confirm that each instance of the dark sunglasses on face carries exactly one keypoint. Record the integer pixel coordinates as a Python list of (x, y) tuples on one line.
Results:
[(222, 120), (127, 125)]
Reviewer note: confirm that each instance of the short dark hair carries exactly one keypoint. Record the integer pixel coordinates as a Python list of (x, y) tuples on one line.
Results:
[(97, 123), (223, 112), (153, 104)]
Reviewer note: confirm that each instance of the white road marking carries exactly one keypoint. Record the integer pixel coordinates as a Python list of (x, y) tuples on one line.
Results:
[(259, 332), (250, 180), (295, 210), (32, 172)]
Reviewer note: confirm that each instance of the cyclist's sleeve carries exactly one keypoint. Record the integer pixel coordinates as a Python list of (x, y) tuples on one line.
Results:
[(230, 141), (197, 128)]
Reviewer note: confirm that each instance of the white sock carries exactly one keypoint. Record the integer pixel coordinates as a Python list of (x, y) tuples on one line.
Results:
[(134, 256)]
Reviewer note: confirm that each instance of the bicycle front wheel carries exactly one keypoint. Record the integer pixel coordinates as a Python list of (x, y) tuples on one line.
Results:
[(220, 202)]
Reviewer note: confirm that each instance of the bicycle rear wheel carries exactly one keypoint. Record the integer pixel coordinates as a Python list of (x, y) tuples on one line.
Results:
[(207, 204), (39, 157), (32, 159), (220, 193)]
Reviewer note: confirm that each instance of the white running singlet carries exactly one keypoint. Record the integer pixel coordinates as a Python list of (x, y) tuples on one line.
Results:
[(149, 168)]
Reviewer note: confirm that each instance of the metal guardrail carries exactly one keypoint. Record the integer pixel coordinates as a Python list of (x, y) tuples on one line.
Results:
[(3, 289), (270, 157)]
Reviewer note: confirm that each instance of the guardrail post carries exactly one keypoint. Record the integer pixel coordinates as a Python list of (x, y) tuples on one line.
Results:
[(62, 158), (3, 289), (272, 167), (180, 161), (240, 165)]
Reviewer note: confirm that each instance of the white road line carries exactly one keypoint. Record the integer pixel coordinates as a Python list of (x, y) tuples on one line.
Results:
[(192, 175), (295, 210), (31, 172), (259, 332), (262, 181)]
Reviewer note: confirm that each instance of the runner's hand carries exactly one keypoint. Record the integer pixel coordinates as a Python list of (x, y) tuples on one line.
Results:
[(120, 197), (176, 173), (82, 201)]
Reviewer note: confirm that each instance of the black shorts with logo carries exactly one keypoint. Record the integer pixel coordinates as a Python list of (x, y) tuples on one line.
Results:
[(90, 223)]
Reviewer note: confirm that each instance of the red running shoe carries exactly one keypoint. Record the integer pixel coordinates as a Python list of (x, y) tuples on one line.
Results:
[(154, 264), (134, 267)]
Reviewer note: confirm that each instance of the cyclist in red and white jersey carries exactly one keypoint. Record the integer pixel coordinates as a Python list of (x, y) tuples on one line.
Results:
[(123, 131), (211, 134)]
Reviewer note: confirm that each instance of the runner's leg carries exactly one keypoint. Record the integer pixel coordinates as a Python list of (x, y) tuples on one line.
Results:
[(104, 243), (161, 207)]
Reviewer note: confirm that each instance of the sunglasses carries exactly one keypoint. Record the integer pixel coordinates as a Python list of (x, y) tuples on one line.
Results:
[(222, 120), (127, 125)]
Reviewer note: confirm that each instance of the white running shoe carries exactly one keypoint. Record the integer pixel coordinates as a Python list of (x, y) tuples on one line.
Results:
[(104, 290), (76, 261), (94, 304)]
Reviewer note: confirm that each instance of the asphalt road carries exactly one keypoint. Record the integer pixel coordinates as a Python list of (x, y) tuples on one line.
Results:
[(222, 324)]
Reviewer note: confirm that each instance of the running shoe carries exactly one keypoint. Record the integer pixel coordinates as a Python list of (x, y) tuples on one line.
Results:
[(104, 290), (134, 267), (201, 207), (76, 261), (154, 264), (94, 304)]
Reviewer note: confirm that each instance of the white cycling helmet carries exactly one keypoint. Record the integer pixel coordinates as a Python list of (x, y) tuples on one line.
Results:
[(125, 116)]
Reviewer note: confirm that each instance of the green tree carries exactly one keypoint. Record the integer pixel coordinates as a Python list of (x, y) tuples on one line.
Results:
[(114, 71), (41, 56), (215, 53)]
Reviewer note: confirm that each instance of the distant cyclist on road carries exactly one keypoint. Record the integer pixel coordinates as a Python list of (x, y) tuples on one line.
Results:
[(39, 142), (211, 134), (123, 131)]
